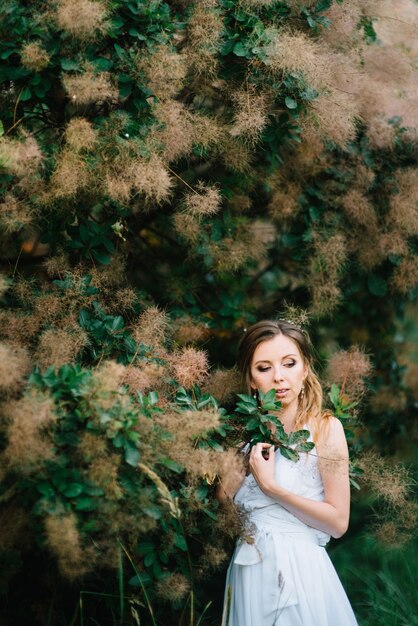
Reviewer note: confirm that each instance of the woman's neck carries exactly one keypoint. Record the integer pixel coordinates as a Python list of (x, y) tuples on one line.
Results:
[(287, 415)]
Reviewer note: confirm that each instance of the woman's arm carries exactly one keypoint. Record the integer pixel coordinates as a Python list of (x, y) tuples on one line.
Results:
[(332, 514)]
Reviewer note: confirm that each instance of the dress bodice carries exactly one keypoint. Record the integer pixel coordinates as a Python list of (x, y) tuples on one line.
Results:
[(301, 477)]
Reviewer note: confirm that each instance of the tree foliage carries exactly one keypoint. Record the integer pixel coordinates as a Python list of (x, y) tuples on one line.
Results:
[(171, 172)]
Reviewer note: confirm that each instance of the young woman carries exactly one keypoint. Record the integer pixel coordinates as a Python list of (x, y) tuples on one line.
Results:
[(283, 575)]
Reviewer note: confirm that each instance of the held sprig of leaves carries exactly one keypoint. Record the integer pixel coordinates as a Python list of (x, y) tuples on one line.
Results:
[(256, 419)]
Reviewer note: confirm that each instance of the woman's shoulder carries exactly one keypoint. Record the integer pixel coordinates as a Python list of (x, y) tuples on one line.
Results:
[(332, 435)]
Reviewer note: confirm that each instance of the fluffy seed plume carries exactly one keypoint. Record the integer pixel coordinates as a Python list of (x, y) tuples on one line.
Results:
[(329, 256), (151, 178), (349, 369), (283, 204), (224, 384), (358, 208), (151, 327), (27, 443), (187, 330), (63, 539), (173, 587), (187, 226), (21, 157), (390, 482), (82, 19), (14, 215), (145, 378), (34, 57), (70, 175), (14, 365), (89, 87), (176, 133), (58, 346), (165, 71), (403, 213), (205, 27), (405, 275), (80, 134), (250, 114), (109, 376), (190, 366), (206, 200)]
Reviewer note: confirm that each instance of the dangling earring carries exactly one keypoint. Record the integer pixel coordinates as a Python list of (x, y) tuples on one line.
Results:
[(302, 392)]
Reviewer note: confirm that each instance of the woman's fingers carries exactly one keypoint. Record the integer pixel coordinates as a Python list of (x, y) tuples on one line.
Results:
[(260, 449)]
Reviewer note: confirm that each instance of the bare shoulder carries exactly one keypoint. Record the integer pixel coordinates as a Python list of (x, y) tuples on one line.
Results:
[(332, 446), (334, 432)]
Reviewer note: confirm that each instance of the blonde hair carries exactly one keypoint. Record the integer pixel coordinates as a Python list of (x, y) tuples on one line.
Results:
[(310, 410)]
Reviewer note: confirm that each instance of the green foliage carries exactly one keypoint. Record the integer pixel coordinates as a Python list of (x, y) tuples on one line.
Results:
[(256, 419), (88, 245)]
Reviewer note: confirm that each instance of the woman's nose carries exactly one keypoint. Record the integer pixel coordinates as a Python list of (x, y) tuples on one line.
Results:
[(278, 374)]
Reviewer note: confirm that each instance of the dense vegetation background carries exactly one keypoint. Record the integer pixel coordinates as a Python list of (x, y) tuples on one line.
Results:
[(172, 172)]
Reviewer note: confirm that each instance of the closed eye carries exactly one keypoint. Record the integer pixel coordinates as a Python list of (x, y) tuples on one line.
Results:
[(290, 364), (264, 368)]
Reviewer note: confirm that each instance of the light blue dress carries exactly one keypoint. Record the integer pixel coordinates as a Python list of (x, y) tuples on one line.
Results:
[(283, 576)]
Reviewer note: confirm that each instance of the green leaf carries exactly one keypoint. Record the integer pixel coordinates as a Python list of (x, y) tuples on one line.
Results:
[(172, 465), (306, 446), (69, 64), (1, 129), (73, 490), (152, 397), (132, 454), (85, 504), (180, 542), (117, 323), (46, 490), (240, 50), (377, 285), (298, 436), (252, 424), (334, 395), (102, 257), (290, 103), (292, 455), (25, 94)]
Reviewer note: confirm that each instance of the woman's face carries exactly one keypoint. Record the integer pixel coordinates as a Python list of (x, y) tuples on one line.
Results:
[(277, 363)]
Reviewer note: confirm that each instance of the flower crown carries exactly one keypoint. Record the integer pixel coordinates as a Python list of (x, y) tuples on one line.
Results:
[(292, 323)]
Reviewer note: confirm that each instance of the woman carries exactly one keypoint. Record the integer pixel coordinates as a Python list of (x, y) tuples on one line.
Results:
[(283, 575)]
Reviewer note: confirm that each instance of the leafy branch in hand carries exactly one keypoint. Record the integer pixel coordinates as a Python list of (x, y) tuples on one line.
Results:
[(257, 419)]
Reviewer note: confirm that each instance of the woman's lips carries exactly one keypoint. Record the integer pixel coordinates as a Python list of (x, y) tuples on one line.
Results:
[(281, 392)]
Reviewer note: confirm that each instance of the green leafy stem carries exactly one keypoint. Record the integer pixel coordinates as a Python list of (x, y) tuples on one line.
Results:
[(258, 421)]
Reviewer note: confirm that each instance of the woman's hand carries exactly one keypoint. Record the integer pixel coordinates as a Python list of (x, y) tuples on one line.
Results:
[(262, 463)]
